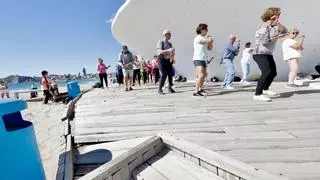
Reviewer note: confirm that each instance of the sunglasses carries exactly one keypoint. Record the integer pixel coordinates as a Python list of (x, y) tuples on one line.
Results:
[(294, 33)]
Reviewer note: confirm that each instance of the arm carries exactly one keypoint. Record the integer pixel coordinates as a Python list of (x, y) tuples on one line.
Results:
[(234, 48), (206, 40), (282, 29), (159, 49), (120, 61), (299, 46)]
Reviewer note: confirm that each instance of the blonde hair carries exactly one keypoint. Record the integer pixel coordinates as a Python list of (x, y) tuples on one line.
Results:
[(270, 12)]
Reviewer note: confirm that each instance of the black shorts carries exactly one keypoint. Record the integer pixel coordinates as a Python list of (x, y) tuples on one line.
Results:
[(200, 63)]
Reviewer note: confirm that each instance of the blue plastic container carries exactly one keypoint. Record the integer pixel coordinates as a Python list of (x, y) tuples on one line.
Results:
[(73, 89), (19, 153)]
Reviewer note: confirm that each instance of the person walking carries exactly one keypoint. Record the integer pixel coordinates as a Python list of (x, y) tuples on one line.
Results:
[(267, 36), (201, 44), (149, 71), (165, 52), (155, 67), (119, 74), (144, 70), (102, 70), (292, 53), (230, 52), (136, 71), (126, 61), (245, 63), (45, 83)]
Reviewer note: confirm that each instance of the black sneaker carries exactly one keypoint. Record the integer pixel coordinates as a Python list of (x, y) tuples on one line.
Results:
[(171, 90), (161, 92), (130, 89), (198, 94), (126, 89), (202, 91)]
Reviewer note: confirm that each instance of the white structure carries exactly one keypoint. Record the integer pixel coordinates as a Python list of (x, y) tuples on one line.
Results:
[(139, 24)]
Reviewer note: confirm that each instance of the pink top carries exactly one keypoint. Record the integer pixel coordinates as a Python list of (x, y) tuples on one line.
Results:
[(155, 63), (102, 68), (45, 83), (149, 67)]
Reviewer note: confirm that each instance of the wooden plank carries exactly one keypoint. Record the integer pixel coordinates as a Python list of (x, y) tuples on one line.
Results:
[(276, 155), (68, 172), (187, 167), (105, 152), (273, 127), (170, 169), (146, 172), (99, 137), (235, 136), (260, 144), (156, 128), (233, 166), (296, 170), (123, 161)]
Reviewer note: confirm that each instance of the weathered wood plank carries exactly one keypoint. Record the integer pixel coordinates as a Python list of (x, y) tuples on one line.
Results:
[(276, 155), (186, 167), (145, 172), (68, 172), (225, 163)]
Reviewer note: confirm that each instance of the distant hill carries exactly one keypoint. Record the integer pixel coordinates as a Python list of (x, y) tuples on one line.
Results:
[(19, 79)]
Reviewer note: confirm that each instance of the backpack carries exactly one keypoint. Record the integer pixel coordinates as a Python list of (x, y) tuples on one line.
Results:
[(162, 48)]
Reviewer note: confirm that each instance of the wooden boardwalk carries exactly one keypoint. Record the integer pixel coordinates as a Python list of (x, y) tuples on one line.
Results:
[(281, 137)]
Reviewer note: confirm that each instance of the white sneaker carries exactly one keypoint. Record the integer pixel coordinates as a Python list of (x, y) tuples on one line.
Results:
[(270, 93), (245, 83), (261, 98), (228, 87)]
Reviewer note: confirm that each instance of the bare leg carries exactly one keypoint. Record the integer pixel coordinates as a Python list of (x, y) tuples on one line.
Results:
[(130, 81), (126, 81), (294, 66), (200, 78)]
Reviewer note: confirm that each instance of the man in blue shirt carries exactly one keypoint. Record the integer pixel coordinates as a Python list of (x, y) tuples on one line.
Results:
[(230, 52)]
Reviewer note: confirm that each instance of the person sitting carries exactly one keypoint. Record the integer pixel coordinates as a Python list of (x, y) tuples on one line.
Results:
[(54, 88), (4, 89), (33, 87)]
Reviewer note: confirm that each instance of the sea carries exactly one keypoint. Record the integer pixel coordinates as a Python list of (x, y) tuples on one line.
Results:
[(27, 85)]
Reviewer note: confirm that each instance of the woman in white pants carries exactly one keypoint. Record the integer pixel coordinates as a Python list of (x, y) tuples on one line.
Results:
[(292, 53), (245, 63)]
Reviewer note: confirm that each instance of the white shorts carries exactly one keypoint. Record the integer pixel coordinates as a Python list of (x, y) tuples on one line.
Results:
[(127, 72)]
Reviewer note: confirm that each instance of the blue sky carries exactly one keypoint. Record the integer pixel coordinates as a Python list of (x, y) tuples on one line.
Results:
[(61, 36)]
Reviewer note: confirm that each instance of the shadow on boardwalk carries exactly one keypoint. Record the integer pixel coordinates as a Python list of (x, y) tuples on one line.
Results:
[(301, 92)]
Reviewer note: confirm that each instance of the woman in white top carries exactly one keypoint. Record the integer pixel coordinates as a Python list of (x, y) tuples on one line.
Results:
[(292, 53), (201, 44), (245, 62)]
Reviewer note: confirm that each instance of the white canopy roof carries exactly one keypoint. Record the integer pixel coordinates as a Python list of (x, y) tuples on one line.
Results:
[(139, 24)]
